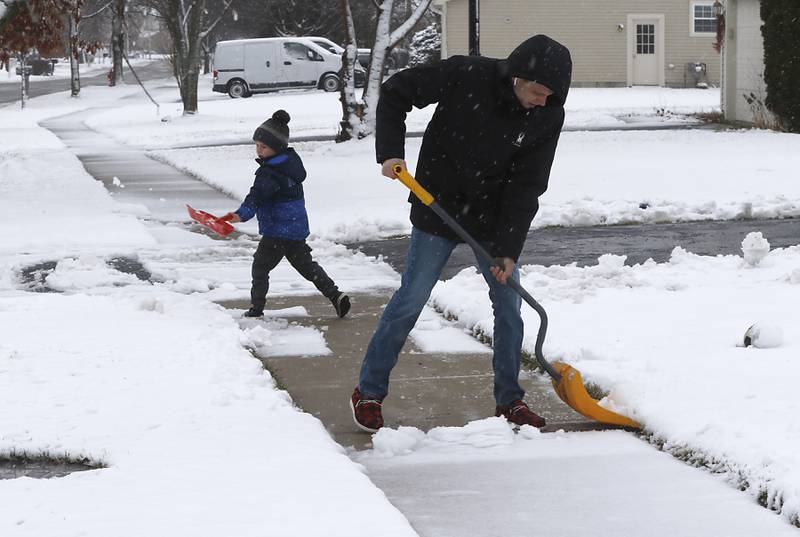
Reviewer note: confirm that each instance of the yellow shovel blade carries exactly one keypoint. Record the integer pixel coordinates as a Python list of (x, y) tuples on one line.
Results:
[(572, 391)]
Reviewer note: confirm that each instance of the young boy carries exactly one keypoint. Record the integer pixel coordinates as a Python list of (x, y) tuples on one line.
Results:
[(276, 198)]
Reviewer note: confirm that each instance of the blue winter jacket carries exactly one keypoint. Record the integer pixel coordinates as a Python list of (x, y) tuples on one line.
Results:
[(276, 197)]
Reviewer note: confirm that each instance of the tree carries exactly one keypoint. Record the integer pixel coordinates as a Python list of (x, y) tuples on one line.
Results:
[(303, 17), (274, 18), (118, 27), (188, 22), (782, 59), (78, 45), (29, 26), (359, 117)]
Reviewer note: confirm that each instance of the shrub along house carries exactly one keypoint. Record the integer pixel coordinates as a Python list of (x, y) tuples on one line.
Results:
[(613, 42)]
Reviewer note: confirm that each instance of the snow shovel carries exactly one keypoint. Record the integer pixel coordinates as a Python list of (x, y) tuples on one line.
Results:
[(566, 380), (212, 222)]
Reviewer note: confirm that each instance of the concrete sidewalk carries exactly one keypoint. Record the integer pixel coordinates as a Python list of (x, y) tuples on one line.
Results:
[(427, 390)]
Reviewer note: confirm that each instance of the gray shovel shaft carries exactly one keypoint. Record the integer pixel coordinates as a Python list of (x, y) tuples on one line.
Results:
[(481, 252)]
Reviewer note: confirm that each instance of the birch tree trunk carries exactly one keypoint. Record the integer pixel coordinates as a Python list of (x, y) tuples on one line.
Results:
[(351, 110), (359, 117)]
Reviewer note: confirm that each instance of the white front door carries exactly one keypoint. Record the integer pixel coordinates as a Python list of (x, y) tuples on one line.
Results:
[(646, 48)]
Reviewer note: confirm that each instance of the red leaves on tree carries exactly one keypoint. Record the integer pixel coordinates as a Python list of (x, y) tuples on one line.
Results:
[(34, 24)]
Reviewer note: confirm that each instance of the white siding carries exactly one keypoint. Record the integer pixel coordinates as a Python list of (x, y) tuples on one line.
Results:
[(744, 64), (590, 28)]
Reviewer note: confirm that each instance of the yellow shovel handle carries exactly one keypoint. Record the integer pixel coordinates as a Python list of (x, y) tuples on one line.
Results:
[(407, 179)]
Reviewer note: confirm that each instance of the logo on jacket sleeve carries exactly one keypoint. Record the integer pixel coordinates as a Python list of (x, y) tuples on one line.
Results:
[(518, 141)]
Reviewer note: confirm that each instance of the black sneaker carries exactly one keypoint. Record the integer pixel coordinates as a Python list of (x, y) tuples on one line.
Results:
[(254, 312), (342, 304)]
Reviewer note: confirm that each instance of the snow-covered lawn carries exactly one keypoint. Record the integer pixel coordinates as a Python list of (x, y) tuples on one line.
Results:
[(318, 113), (597, 178)]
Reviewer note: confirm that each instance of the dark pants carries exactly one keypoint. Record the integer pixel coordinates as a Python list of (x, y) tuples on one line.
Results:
[(269, 253)]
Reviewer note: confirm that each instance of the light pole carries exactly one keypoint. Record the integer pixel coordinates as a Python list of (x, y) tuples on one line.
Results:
[(474, 28)]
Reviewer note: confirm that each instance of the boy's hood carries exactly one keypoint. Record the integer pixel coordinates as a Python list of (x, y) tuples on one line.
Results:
[(286, 164)]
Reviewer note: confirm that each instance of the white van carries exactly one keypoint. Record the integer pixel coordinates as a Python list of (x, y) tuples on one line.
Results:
[(246, 66)]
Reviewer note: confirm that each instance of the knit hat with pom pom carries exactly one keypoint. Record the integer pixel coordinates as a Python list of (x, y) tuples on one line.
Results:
[(274, 132)]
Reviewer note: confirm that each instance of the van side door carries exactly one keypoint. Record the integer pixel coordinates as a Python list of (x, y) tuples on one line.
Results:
[(299, 64), (261, 69)]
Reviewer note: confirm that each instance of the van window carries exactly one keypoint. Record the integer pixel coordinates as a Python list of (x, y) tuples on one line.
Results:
[(330, 46), (298, 51)]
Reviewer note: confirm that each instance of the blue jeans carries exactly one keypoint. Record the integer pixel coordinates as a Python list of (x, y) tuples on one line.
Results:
[(426, 257)]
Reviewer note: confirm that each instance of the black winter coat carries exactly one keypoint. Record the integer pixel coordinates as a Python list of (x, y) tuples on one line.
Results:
[(484, 157)]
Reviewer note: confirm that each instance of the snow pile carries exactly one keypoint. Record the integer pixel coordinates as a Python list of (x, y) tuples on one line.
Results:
[(86, 273), (764, 335), (755, 248), (279, 337), (482, 434)]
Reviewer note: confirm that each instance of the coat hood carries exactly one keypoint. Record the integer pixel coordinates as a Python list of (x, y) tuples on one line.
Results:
[(285, 165), (543, 60)]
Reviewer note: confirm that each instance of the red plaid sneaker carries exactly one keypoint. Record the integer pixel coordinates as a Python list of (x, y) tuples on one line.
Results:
[(366, 412), (518, 413)]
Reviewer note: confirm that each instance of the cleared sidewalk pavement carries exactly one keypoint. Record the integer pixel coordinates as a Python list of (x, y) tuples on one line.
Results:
[(600, 483)]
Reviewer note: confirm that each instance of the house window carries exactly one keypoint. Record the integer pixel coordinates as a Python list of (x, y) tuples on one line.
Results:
[(703, 19)]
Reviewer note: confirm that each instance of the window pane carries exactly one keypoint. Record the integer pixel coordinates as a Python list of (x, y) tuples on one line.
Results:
[(705, 26), (296, 51)]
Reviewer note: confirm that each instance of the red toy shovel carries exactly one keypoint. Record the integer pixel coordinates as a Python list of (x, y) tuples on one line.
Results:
[(215, 223)]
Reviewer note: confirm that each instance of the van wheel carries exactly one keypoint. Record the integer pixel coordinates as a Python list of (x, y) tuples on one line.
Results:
[(237, 89), (330, 82)]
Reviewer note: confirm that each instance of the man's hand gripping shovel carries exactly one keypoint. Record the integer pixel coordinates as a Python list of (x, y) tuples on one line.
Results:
[(566, 380)]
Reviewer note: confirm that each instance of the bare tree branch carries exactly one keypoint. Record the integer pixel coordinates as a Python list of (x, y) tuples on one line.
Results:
[(211, 26), (108, 5)]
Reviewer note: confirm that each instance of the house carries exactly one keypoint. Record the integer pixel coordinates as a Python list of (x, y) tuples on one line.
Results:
[(613, 42), (743, 86)]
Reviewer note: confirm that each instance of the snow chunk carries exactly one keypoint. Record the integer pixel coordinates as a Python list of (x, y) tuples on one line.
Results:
[(485, 433), (401, 441), (755, 248), (86, 272), (764, 335)]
